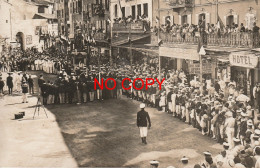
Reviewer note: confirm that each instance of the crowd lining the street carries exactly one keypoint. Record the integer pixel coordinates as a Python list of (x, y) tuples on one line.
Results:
[(219, 110)]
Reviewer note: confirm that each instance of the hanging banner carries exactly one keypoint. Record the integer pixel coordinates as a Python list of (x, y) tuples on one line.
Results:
[(182, 53), (243, 59)]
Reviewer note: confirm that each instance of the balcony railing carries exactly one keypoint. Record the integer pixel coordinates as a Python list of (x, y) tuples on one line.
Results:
[(125, 27), (180, 3), (240, 40)]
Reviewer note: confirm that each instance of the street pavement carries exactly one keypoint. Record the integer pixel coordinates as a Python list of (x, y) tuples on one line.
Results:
[(105, 134), (30, 143), (95, 134)]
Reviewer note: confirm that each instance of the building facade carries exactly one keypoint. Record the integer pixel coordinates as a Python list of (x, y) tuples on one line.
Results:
[(28, 23)]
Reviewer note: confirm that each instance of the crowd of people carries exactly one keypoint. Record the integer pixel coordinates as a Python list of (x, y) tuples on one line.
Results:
[(217, 109), (233, 33)]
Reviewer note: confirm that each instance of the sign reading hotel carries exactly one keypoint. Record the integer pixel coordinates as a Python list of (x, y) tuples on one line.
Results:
[(243, 60), (182, 53)]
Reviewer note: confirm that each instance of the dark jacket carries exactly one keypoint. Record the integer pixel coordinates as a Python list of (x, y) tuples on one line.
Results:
[(142, 117), (9, 81)]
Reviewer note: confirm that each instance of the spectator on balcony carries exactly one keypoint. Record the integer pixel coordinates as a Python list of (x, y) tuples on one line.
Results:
[(242, 28)]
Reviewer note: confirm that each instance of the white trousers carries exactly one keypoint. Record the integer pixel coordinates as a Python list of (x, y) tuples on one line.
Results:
[(24, 97), (143, 131)]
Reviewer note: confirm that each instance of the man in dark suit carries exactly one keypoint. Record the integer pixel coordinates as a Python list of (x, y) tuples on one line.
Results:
[(142, 118), (9, 83)]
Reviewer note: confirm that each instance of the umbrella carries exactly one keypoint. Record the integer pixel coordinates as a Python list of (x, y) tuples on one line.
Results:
[(242, 98)]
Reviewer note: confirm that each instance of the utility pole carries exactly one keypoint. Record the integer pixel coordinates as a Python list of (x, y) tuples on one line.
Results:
[(111, 36), (130, 41), (158, 38)]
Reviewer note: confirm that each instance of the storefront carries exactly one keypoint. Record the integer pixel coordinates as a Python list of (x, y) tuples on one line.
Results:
[(245, 70), (180, 56)]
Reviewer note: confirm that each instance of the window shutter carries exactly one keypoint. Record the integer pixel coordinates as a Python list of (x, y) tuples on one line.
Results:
[(172, 19), (179, 19), (196, 19), (207, 17), (225, 20), (236, 19), (163, 20), (97, 24), (189, 19)]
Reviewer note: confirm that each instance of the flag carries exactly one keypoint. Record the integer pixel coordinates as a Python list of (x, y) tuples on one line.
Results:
[(108, 20), (157, 19), (120, 6), (159, 42), (221, 24)]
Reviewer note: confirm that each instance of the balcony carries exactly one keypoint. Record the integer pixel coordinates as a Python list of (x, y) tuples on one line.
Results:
[(180, 3), (127, 27), (237, 40)]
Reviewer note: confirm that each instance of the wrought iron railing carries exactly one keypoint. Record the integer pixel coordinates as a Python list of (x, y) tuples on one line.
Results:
[(240, 40)]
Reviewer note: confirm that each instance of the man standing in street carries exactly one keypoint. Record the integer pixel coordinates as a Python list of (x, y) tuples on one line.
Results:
[(142, 118), (31, 85), (10, 84)]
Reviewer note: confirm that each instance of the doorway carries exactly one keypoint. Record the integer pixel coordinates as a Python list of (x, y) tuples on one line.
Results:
[(20, 40), (230, 20), (202, 20), (184, 19)]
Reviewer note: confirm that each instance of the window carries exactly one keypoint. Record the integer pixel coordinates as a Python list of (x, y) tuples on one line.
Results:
[(184, 19), (6, 21), (139, 10), (73, 7), (24, 17), (146, 9), (107, 4), (40, 9), (133, 12), (123, 11), (116, 10)]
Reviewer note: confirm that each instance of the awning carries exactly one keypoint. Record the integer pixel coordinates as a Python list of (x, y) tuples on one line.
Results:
[(189, 53), (44, 16), (123, 38), (154, 50), (223, 60)]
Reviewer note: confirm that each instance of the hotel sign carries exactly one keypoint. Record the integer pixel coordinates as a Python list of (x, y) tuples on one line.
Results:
[(243, 60)]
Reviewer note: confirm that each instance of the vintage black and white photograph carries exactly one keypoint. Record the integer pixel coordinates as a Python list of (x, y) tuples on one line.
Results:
[(130, 83)]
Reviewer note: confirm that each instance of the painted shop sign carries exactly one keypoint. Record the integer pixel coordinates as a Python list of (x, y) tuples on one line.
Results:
[(182, 53), (195, 68), (243, 60)]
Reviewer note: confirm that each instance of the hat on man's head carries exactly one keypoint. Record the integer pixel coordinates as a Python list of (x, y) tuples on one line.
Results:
[(142, 105)]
